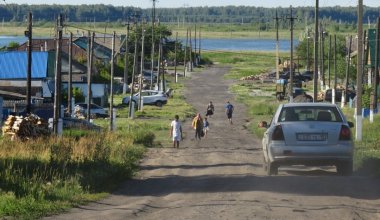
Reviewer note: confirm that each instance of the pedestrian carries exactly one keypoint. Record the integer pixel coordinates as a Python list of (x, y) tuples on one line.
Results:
[(198, 126), (210, 109), (229, 110), (205, 126), (176, 131)]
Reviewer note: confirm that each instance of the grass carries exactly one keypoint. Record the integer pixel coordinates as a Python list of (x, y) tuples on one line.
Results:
[(367, 151), (47, 176)]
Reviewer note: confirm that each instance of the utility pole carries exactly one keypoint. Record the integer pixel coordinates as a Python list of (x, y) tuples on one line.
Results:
[(195, 44), (126, 64), (291, 18), (329, 62), (307, 51), (376, 75), (163, 66), (315, 86), (89, 75), (191, 54), (184, 60), (28, 33), (141, 65), (133, 74), (322, 57), (175, 57), (58, 65), (111, 87), (159, 65), (335, 72), (277, 48), (347, 72), (199, 48), (69, 85), (359, 80), (152, 52)]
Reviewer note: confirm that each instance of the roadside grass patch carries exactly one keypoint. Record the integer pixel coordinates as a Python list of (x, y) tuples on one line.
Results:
[(367, 151), (46, 176)]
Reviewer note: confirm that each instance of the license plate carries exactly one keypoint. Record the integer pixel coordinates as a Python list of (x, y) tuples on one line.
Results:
[(311, 136)]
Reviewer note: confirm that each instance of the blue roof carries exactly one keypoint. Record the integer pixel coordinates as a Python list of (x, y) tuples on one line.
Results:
[(13, 64)]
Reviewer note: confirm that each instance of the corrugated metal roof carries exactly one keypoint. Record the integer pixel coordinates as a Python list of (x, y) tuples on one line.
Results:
[(13, 64), (100, 51)]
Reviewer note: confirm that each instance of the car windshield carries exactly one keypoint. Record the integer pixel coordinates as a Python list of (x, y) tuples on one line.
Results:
[(310, 113)]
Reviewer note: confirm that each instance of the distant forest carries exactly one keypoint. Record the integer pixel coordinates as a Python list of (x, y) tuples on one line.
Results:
[(228, 14)]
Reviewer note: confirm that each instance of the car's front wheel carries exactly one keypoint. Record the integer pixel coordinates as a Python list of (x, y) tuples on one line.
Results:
[(345, 168)]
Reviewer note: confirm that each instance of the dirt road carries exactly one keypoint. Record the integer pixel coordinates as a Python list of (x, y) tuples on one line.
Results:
[(221, 176)]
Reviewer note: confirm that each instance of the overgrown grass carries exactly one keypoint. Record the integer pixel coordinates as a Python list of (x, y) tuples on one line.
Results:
[(45, 176), (367, 151)]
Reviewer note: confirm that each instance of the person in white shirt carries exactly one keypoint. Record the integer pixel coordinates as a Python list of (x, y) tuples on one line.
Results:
[(176, 131)]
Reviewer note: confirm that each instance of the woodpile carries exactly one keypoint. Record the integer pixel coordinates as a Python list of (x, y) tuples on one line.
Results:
[(263, 77), (25, 128), (251, 77)]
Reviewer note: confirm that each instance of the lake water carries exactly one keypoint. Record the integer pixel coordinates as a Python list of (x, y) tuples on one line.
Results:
[(245, 44), (5, 40), (206, 44)]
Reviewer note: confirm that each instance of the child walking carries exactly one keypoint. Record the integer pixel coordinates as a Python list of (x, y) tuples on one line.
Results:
[(205, 126)]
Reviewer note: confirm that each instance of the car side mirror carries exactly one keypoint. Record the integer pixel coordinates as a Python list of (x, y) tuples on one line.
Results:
[(351, 124), (262, 124)]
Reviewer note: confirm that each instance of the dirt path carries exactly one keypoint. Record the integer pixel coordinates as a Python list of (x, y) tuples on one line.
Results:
[(221, 177)]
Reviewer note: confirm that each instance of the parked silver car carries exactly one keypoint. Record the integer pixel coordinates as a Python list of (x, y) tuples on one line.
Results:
[(310, 134), (150, 97)]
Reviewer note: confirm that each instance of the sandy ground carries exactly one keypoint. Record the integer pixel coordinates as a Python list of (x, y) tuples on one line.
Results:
[(221, 176)]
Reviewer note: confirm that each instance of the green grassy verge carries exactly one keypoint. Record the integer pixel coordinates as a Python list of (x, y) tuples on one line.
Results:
[(367, 151), (47, 176)]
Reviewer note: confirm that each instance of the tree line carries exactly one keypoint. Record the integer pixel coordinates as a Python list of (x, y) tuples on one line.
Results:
[(227, 14)]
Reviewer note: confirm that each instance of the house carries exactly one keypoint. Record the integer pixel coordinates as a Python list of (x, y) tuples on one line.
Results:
[(50, 44), (102, 47), (13, 71)]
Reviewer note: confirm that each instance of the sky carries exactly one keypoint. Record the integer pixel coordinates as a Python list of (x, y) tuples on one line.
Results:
[(196, 3)]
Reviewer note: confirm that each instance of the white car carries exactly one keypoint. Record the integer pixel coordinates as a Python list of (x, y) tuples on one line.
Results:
[(309, 134), (150, 97)]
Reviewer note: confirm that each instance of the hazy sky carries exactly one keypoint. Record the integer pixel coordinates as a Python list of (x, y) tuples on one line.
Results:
[(194, 3)]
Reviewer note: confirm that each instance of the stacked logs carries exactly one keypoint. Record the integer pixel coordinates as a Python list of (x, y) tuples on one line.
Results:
[(25, 128)]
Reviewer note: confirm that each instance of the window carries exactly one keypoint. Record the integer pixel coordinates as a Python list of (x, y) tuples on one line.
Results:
[(310, 113)]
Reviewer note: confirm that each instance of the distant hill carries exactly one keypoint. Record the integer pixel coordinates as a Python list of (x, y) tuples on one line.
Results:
[(228, 14)]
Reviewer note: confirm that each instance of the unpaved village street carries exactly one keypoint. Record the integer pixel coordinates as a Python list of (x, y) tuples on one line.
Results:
[(221, 176)]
